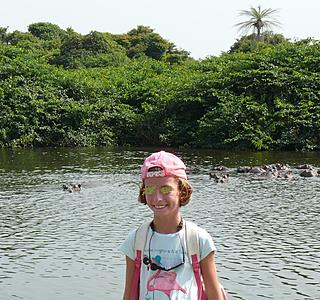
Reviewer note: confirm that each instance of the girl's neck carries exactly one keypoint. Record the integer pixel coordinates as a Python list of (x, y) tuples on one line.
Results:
[(166, 225)]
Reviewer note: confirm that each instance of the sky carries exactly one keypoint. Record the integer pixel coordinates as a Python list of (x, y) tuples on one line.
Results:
[(201, 27)]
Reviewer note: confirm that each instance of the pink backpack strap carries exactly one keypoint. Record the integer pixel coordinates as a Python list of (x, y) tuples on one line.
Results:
[(136, 278), (197, 275), (139, 244), (193, 248)]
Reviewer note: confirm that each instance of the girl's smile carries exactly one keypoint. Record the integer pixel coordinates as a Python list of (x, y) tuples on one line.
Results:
[(160, 206)]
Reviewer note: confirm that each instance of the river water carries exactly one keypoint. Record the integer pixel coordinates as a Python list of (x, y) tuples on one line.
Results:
[(56, 245)]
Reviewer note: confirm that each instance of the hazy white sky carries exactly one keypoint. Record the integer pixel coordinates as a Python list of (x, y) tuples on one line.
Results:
[(202, 27)]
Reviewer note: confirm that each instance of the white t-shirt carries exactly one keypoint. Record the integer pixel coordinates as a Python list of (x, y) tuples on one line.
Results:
[(166, 250)]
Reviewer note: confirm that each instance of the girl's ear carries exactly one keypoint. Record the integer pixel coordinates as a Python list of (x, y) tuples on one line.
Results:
[(185, 191), (182, 200)]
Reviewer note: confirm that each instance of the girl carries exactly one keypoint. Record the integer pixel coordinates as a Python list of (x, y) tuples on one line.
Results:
[(165, 271)]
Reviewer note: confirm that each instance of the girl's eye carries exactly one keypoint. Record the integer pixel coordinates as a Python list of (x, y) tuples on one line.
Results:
[(149, 190), (166, 189)]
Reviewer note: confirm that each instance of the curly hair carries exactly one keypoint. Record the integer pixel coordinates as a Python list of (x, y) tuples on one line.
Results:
[(185, 192)]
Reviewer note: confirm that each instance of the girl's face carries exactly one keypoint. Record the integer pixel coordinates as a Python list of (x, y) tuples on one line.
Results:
[(162, 195)]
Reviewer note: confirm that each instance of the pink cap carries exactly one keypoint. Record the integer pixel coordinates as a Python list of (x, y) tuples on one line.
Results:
[(170, 164)]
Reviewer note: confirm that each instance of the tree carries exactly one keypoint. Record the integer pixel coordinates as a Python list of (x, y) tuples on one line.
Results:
[(95, 49), (3, 34), (143, 41), (24, 40), (259, 20), (46, 31), (247, 42)]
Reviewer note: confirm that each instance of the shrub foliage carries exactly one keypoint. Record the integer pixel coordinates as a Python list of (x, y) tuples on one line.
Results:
[(61, 88)]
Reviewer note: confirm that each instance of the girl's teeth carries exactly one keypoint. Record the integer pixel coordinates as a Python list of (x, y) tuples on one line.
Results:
[(159, 206)]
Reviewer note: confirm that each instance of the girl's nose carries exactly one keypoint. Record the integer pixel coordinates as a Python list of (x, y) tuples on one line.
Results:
[(159, 196)]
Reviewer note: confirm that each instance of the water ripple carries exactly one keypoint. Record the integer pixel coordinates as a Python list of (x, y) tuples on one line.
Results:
[(64, 245)]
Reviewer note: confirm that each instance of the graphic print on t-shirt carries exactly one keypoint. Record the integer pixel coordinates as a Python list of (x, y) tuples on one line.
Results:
[(163, 281)]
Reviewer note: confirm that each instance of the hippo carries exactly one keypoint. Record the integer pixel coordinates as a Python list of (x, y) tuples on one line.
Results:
[(219, 178), (305, 166), (72, 187), (287, 174), (220, 168), (282, 167), (257, 170), (244, 169), (308, 173), (269, 173)]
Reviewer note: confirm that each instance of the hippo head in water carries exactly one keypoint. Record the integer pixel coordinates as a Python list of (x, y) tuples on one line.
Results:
[(72, 187)]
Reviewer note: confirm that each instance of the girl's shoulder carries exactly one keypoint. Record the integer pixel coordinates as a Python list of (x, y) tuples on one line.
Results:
[(132, 233), (206, 244), (128, 246), (141, 229), (203, 233)]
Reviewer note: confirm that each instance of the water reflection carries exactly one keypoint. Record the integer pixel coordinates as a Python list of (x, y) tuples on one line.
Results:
[(57, 245)]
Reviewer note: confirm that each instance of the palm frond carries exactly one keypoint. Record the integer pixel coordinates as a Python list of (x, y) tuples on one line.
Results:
[(259, 19)]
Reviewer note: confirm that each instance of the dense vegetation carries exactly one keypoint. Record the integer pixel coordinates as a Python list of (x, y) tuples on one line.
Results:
[(61, 88)]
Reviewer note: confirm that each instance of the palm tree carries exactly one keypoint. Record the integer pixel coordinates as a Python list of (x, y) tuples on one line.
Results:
[(259, 21)]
